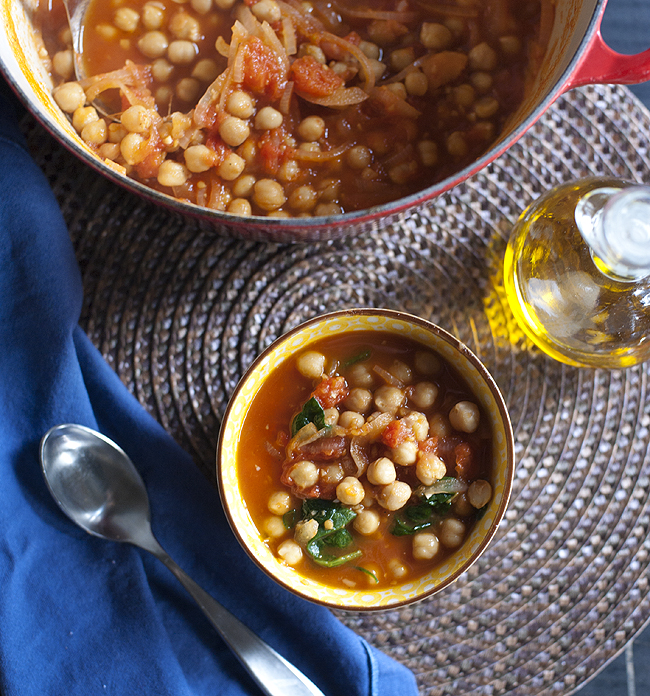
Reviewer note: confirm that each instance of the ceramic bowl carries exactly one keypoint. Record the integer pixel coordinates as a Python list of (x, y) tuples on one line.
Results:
[(481, 384)]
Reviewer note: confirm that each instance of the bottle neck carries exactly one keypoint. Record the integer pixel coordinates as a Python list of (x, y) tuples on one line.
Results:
[(615, 223)]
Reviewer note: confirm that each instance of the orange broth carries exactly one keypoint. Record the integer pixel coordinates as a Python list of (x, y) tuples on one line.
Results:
[(265, 431)]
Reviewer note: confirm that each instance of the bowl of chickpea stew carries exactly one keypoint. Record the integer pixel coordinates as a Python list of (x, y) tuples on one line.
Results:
[(285, 120), (365, 459)]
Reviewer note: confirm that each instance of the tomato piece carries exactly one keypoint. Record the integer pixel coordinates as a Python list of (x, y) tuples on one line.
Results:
[(263, 71), (149, 166), (312, 78), (466, 464), (274, 149), (331, 391), (396, 433)]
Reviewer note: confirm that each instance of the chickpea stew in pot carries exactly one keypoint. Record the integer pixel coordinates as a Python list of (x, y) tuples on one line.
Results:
[(365, 460), (294, 108)]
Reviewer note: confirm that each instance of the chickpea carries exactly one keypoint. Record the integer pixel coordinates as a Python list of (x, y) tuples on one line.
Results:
[(332, 473), (279, 502), (303, 198), (378, 68), (358, 400), (153, 44), (268, 194), (419, 424), (172, 173), (439, 425), (181, 52), (479, 493), (224, 4), (274, 527), (63, 64), (464, 95), (482, 57), (290, 552), (350, 491), (153, 15), (429, 468), (311, 128), (316, 52), (401, 371), (464, 416), (331, 416), (451, 533), (164, 95), (126, 19), (435, 37), (404, 172), (289, 171), (161, 70), (397, 569), (405, 454), (461, 506), (240, 104), (116, 132), (481, 81), (457, 145), (416, 83), (109, 151), (205, 70), (136, 119), (107, 32), (327, 209), (231, 167), (267, 11), (240, 206), (401, 58), (398, 88), (358, 157), (83, 116), (268, 118), (381, 472), (510, 45), (425, 546), (185, 27), (304, 474), (234, 131), (351, 420), (70, 96), (360, 376), (486, 107), (311, 364), (199, 158), (201, 6), (243, 186), (427, 363), (424, 394), (95, 133), (388, 399), (366, 522), (370, 49), (394, 495), (428, 152), (305, 531)]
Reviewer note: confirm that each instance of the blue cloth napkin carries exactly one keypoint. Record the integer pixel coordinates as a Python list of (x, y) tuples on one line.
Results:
[(83, 616)]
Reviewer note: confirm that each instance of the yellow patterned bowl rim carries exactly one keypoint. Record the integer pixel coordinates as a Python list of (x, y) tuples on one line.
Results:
[(484, 388)]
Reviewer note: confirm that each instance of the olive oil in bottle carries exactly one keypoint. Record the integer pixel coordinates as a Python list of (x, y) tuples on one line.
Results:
[(577, 273)]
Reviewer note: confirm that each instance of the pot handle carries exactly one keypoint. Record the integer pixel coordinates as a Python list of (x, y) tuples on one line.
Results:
[(600, 64)]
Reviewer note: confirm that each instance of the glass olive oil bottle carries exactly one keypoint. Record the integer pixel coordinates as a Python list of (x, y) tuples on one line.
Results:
[(577, 273)]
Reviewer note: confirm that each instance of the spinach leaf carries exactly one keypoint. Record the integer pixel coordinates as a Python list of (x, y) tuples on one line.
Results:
[(360, 357), (290, 518), (334, 534), (312, 412), (422, 514)]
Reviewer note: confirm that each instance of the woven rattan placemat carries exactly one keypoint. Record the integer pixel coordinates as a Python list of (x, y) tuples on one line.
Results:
[(180, 313)]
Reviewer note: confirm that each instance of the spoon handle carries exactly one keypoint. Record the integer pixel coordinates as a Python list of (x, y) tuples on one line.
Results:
[(271, 672)]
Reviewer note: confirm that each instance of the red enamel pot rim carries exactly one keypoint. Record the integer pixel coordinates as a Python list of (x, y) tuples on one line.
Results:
[(592, 62)]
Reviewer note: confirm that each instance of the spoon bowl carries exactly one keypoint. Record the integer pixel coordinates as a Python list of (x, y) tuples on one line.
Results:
[(97, 486)]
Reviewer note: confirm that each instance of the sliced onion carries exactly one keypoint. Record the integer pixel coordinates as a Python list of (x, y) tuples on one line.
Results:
[(319, 155), (376, 14), (388, 378), (444, 485), (356, 52), (369, 432), (289, 37), (344, 96)]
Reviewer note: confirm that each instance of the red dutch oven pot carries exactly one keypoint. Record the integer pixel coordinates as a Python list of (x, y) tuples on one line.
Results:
[(576, 55)]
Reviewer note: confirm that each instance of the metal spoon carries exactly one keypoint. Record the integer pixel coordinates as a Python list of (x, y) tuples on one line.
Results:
[(96, 485)]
